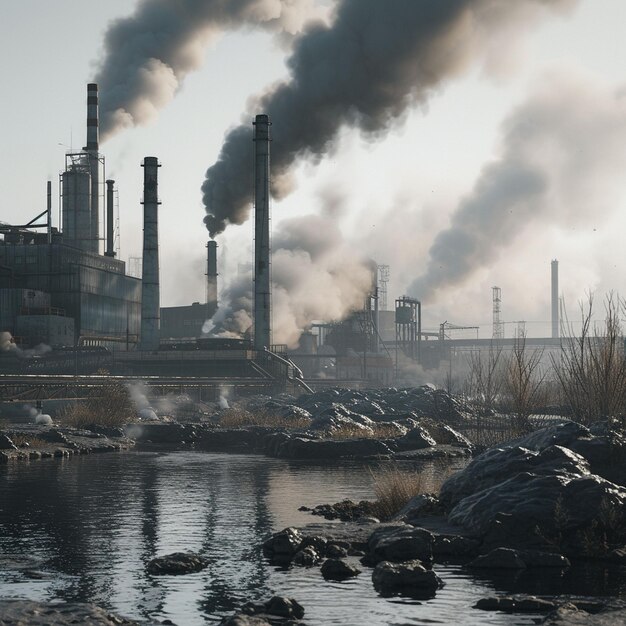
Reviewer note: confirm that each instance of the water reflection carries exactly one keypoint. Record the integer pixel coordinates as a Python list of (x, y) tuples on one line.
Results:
[(94, 522)]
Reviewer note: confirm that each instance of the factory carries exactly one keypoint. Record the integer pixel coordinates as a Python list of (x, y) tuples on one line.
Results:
[(66, 296), (56, 288)]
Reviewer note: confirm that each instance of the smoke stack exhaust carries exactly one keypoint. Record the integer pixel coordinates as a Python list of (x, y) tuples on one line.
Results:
[(110, 251), (262, 275), (150, 295), (94, 164), (555, 300), (211, 278)]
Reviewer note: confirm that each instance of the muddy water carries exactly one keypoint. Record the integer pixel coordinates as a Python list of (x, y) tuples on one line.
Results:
[(86, 527)]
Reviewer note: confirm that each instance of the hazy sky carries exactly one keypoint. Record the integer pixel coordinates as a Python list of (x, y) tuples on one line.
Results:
[(396, 193)]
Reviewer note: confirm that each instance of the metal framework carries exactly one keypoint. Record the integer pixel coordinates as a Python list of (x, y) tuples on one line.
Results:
[(446, 327), (383, 283), (498, 325), (408, 328)]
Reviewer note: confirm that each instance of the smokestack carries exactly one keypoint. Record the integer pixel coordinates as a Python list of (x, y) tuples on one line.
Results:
[(110, 227), (262, 285), (94, 164), (49, 211), (150, 297), (211, 278), (555, 300)]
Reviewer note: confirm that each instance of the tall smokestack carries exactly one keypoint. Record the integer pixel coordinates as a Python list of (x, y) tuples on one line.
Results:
[(110, 226), (94, 164), (211, 278), (262, 277), (150, 296), (555, 300)]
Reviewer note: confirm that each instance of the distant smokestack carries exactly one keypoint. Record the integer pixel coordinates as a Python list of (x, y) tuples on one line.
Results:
[(262, 277), (555, 300), (211, 278), (110, 251), (94, 164), (150, 296)]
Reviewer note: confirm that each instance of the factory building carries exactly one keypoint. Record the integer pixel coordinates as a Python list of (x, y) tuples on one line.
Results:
[(56, 287)]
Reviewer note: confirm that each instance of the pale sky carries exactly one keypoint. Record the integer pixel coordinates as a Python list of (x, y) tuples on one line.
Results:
[(425, 166)]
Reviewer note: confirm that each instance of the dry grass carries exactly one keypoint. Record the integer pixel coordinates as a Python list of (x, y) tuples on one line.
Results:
[(21, 439), (109, 406), (394, 487), (379, 431), (240, 418)]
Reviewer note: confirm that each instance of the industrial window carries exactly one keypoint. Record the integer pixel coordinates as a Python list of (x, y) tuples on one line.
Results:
[(31, 259), (19, 259)]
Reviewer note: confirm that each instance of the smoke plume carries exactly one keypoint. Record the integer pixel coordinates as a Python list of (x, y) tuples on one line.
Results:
[(375, 61), (148, 54), (562, 161), (316, 275)]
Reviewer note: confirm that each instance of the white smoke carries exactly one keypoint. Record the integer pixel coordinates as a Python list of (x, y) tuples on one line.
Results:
[(562, 160)]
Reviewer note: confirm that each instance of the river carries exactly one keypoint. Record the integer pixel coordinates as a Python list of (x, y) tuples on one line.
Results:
[(88, 525)]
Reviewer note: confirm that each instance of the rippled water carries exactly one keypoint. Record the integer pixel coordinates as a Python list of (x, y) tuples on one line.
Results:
[(90, 524)]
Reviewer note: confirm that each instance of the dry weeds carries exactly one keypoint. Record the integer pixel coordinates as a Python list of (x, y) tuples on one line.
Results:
[(240, 418)]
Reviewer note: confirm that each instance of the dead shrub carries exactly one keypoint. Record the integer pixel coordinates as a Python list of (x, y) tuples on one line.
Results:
[(25, 440), (394, 487), (241, 418), (378, 431), (108, 406)]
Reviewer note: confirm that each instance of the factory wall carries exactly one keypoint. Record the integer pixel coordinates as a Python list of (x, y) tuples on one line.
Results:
[(179, 322), (93, 289)]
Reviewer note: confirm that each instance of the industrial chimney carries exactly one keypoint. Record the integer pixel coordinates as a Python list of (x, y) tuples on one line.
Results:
[(211, 278), (262, 276), (110, 226), (150, 297), (555, 300), (94, 165)]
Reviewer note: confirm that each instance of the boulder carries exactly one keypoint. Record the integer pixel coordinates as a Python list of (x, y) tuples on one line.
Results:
[(416, 439), (454, 546), (398, 544), (500, 558), (176, 564), (569, 615), (277, 606), (336, 569), (334, 551), (281, 547), (418, 506), (15, 612), (240, 619), (445, 435), (409, 578), (492, 466), (531, 499), (306, 557)]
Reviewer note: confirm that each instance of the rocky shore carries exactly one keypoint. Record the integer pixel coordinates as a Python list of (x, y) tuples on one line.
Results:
[(545, 502)]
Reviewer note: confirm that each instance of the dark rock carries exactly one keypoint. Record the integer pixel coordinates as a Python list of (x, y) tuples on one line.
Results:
[(569, 615), (346, 511), (307, 557), (516, 604), (538, 558), (6, 443), (176, 564), (333, 551), (445, 435), (318, 542), (491, 467), (418, 506), (300, 448), (244, 620), (445, 546), (415, 439), (54, 435), (409, 578), (281, 547), (336, 569), (284, 607), (399, 544), (500, 558), (530, 500)]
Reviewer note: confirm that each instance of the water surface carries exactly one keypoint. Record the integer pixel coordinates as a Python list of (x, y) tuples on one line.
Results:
[(89, 525)]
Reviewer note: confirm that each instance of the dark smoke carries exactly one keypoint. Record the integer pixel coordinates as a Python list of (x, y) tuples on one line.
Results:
[(563, 158), (373, 63), (148, 54)]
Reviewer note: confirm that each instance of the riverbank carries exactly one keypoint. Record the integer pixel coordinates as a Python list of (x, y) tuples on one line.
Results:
[(544, 505)]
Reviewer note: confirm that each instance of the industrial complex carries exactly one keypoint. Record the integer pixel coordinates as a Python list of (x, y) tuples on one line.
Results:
[(68, 305)]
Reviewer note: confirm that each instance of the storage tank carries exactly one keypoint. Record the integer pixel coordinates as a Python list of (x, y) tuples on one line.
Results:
[(76, 191)]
